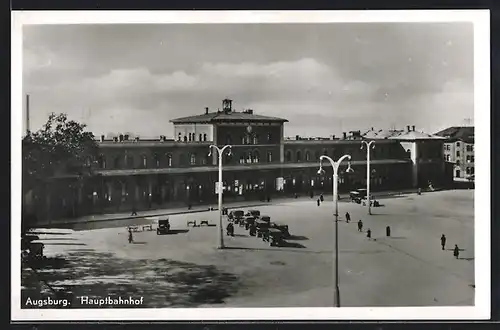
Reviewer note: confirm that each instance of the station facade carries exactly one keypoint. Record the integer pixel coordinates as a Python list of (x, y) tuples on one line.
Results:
[(152, 174)]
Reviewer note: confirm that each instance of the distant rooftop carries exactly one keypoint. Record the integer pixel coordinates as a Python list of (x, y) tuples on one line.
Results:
[(400, 134), (455, 133)]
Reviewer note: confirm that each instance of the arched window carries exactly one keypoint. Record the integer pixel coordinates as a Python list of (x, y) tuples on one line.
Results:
[(243, 140), (308, 156), (179, 137), (193, 159), (190, 137), (288, 156), (256, 157), (157, 159), (144, 161), (102, 161), (299, 156), (255, 139), (169, 160), (249, 157), (269, 157), (316, 155), (204, 137), (269, 136), (200, 137), (185, 138)]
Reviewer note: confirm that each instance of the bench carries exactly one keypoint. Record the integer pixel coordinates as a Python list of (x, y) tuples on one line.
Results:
[(193, 222), (203, 222), (149, 227)]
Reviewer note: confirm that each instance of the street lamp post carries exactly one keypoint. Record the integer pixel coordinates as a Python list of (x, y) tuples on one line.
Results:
[(335, 166), (368, 172), (220, 151)]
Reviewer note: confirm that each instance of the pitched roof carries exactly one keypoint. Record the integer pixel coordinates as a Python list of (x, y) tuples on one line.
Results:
[(454, 133), (381, 134), (226, 116), (415, 135)]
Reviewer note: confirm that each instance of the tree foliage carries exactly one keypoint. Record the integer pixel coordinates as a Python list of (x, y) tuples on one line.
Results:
[(61, 146)]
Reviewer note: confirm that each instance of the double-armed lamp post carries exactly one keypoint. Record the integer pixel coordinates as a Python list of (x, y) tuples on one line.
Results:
[(220, 151), (335, 165), (369, 145)]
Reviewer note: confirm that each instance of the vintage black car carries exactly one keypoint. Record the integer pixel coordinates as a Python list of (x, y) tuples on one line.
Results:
[(163, 226), (281, 227), (253, 213), (249, 221), (274, 236), (236, 216), (262, 227), (265, 218)]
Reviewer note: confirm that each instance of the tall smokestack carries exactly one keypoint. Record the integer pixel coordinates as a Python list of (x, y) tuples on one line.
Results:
[(27, 114)]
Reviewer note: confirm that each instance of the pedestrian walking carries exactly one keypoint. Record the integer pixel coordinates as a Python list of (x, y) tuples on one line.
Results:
[(318, 202), (388, 231), (134, 211), (443, 242), (311, 194), (268, 199), (321, 198), (369, 233), (456, 251), (360, 226), (347, 217), (130, 236)]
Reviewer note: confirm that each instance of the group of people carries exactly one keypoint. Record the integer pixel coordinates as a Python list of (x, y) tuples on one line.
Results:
[(456, 249)]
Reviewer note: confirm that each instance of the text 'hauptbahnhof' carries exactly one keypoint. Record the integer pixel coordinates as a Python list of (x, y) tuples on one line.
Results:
[(134, 173)]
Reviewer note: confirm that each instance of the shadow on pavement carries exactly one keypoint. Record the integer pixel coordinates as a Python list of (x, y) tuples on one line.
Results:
[(297, 238), (81, 244), (397, 237), (176, 231), (162, 282), (41, 232), (140, 243), (468, 259), (292, 245), (59, 239)]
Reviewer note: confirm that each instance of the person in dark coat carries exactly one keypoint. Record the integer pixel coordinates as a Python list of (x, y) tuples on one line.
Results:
[(230, 229), (318, 202), (456, 251), (253, 229), (369, 233), (360, 226), (347, 217), (268, 199), (443, 242), (321, 198), (388, 231), (130, 235), (311, 194)]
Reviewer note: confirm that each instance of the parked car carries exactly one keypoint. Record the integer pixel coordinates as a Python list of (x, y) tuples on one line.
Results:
[(253, 213), (274, 236), (265, 218), (262, 227), (281, 227), (163, 226), (250, 220), (236, 215)]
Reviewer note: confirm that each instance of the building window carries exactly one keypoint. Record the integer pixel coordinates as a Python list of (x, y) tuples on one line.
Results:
[(102, 161), (288, 156), (243, 140), (205, 137), (185, 138), (193, 159), (169, 160), (256, 157), (447, 158), (269, 156), (458, 144), (472, 170), (468, 159), (179, 137), (144, 161), (458, 153), (242, 159), (200, 137), (308, 156), (458, 162), (256, 139), (316, 155), (269, 136), (472, 159), (299, 156), (457, 173), (157, 160), (249, 157), (467, 170)]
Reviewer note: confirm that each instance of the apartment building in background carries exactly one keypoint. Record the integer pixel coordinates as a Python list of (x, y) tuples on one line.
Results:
[(458, 149)]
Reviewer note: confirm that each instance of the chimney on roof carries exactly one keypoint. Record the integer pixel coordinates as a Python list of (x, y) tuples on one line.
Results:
[(372, 128), (102, 138), (206, 110), (413, 128), (408, 128), (345, 135)]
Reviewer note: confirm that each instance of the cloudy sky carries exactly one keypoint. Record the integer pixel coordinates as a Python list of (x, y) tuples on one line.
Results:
[(324, 78)]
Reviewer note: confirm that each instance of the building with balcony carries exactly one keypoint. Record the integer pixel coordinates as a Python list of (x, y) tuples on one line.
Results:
[(158, 173)]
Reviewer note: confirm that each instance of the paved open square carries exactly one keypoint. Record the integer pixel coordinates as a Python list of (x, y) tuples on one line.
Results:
[(184, 269)]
